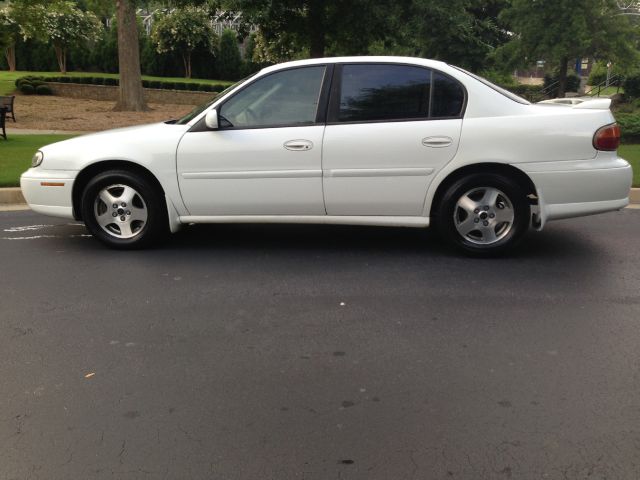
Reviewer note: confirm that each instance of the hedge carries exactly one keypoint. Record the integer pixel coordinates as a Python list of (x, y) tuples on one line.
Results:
[(629, 126), (158, 84), (632, 86)]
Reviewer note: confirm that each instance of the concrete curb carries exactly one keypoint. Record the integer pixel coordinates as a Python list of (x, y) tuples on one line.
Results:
[(13, 196)]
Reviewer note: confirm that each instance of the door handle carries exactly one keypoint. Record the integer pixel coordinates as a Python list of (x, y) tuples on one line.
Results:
[(437, 142), (298, 145)]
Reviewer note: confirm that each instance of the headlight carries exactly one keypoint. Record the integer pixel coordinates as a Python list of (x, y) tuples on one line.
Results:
[(37, 159)]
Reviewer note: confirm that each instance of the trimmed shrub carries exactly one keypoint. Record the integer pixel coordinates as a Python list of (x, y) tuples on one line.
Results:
[(632, 86), (28, 79), (111, 81), (146, 84), (168, 85), (64, 79), (229, 61), (598, 74), (629, 126), (505, 80), (43, 90), (573, 83), (180, 86), (532, 93), (218, 87), (192, 87), (27, 88), (203, 87)]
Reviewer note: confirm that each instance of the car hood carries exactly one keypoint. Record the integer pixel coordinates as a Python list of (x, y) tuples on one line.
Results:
[(138, 144)]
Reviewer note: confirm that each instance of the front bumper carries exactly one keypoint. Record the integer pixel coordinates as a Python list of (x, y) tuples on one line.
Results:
[(577, 188), (49, 191)]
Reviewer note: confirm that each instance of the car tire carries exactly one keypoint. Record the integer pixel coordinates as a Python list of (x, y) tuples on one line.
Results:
[(483, 214), (124, 210)]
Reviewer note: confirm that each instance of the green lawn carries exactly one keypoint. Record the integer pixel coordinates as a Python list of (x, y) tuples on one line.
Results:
[(608, 91), (16, 153), (631, 153), (7, 79)]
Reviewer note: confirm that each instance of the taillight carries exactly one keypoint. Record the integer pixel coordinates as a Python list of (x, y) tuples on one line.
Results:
[(607, 138)]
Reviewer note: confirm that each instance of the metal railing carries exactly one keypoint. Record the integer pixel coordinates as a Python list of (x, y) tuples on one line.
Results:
[(614, 81)]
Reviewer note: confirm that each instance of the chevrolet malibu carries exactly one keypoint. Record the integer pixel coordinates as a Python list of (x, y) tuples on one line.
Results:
[(383, 141)]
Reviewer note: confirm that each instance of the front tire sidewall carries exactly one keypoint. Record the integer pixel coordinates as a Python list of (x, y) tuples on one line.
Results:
[(156, 224), (445, 213)]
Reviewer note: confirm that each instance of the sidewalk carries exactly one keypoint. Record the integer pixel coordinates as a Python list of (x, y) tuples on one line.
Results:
[(27, 131)]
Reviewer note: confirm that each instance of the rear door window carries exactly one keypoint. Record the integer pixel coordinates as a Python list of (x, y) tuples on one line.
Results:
[(389, 92), (383, 92)]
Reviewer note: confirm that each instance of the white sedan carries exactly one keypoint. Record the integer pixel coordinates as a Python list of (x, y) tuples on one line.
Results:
[(360, 140)]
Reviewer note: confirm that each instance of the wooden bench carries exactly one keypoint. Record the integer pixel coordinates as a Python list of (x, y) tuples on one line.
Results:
[(3, 119), (7, 102)]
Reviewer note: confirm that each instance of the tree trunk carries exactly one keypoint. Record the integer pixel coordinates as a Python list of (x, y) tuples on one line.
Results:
[(186, 59), (61, 56), (316, 21), (131, 94), (10, 55), (562, 78)]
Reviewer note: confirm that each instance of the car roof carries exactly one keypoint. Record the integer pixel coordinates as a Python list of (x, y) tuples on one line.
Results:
[(358, 59)]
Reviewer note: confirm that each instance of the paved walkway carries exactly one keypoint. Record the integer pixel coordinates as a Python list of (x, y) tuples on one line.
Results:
[(28, 131)]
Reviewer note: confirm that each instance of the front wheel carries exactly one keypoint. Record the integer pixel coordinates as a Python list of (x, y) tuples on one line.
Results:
[(483, 214), (123, 210)]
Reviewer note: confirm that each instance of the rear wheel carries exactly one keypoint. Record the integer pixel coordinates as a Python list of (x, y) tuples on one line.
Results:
[(124, 210), (483, 214)]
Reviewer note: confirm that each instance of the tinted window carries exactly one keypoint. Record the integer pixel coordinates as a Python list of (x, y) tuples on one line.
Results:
[(384, 92), (448, 97), (289, 97)]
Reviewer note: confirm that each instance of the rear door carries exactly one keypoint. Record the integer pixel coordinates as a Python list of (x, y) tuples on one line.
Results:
[(390, 128)]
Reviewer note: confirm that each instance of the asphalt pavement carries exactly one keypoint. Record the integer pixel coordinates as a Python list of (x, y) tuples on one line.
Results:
[(319, 352)]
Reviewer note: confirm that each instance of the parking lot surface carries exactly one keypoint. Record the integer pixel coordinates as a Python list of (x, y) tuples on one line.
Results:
[(318, 352)]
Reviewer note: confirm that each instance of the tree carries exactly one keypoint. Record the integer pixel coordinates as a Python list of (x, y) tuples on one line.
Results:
[(471, 27), (315, 27), (229, 62), (464, 32), (557, 31), (60, 23), (9, 33), (131, 94), (183, 30)]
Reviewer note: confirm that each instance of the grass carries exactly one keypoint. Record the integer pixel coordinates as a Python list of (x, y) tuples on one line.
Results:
[(607, 91), (631, 153), (16, 153), (7, 79)]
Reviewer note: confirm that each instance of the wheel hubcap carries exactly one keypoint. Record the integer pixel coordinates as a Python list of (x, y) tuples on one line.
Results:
[(120, 211), (483, 215)]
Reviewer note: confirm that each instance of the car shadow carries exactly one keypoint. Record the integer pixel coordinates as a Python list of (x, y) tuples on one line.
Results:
[(554, 242)]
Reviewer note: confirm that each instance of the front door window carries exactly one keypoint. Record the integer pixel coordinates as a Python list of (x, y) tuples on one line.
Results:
[(286, 98)]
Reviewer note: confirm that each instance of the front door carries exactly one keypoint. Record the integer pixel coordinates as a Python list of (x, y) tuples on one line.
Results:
[(266, 157)]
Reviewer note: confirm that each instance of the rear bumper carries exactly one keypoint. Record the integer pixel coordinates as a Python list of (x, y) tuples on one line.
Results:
[(49, 191), (578, 188)]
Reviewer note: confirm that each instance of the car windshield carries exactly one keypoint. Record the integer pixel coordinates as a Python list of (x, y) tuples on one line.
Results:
[(506, 93), (201, 108)]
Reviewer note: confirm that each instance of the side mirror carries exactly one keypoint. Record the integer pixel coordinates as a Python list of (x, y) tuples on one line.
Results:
[(211, 120)]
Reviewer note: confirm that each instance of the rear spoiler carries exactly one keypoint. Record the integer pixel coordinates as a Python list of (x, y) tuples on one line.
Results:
[(596, 104)]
